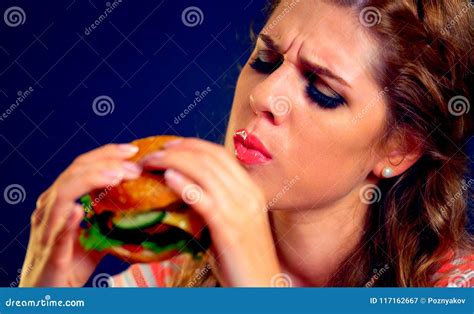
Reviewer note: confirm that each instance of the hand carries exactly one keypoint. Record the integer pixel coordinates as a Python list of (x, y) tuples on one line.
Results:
[(54, 257), (218, 188)]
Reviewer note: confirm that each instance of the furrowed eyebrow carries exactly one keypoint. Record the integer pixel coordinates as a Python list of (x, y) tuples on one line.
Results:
[(270, 43), (311, 66)]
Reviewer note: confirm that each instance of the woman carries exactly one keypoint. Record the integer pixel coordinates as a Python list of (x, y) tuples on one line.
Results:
[(342, 163)]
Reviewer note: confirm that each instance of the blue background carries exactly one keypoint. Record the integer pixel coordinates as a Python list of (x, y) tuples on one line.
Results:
[(142, 56)]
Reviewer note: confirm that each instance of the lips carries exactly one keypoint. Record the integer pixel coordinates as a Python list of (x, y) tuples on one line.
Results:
[(249, 149)]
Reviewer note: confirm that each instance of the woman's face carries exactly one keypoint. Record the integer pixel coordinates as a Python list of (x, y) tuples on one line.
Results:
[(307, 94)]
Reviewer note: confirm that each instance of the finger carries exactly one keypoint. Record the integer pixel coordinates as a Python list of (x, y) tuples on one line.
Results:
[(43, 201), (75, 184), (217, 152), (87, 177), (192, 194), (203, 170), (63, 237), (119, 151)]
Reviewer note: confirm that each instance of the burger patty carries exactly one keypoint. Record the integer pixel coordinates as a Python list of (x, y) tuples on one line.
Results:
[(136, 236)]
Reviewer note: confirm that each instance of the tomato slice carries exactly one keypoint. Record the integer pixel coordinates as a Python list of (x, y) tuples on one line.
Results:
[(158, 228), (134, 248)]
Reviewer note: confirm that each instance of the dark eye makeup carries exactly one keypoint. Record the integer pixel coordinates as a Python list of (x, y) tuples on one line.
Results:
[(267, 61)]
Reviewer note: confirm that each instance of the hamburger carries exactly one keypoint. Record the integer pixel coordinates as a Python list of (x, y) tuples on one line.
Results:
[(142, 220)]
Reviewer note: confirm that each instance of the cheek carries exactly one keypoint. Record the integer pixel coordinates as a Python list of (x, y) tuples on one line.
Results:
[(329, 158)]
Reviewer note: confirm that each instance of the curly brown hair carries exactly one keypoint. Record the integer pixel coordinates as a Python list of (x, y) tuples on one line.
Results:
[(425, 65)]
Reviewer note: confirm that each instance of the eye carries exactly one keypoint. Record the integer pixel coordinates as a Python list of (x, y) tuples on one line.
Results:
[(266, 61), (322, 94)]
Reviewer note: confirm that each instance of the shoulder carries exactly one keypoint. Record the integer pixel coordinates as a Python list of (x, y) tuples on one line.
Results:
[(456, 271)]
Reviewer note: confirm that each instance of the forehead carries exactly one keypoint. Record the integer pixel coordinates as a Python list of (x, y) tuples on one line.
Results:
[(324, 33)]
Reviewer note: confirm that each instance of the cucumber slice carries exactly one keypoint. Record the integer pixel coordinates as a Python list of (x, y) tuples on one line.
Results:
[(138, 221)]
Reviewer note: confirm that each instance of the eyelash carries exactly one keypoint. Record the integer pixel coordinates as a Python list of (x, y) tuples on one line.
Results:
[(325, 101)]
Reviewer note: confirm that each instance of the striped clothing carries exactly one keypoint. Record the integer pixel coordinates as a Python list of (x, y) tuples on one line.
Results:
[(456, 272), (170, 273)]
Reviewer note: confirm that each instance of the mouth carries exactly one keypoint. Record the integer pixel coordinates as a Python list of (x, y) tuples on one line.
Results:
[(249, 149)]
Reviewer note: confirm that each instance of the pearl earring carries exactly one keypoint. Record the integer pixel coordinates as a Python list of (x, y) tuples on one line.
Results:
[(387, 172)]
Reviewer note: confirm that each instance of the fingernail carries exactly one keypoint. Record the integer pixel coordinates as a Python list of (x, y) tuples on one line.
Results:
[(129, 148), (172, 143), (132, 167), (173, 175), (111, 174), (155, 156)]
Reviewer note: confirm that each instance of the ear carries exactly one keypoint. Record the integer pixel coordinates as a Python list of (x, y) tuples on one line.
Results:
[(399, 155)]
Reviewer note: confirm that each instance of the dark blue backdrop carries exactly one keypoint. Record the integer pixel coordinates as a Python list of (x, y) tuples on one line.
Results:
[(142, 64), (147, 56)]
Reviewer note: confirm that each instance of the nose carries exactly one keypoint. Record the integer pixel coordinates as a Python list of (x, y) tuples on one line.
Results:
[(271, 97)]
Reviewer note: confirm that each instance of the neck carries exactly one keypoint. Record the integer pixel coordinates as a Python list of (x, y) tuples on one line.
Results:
[(312, 243)]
